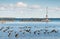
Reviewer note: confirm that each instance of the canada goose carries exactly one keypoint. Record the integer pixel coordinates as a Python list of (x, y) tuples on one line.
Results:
[(54, 31), (23, 32), (20, 31), (10, 31), (37, 32), (5, 30), (27, 30), (16, 35), (1, 28), (8, 27), (34, 32), (46, 32), (9, 34)]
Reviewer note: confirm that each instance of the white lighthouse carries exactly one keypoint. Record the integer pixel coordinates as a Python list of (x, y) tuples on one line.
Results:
[(46, 14)]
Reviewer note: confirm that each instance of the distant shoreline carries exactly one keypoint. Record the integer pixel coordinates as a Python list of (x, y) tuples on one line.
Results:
[(26, 19)]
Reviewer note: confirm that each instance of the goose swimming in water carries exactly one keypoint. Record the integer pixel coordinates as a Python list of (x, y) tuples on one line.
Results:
[(54, 31), (16, 35), (9, 34), (1, 28)]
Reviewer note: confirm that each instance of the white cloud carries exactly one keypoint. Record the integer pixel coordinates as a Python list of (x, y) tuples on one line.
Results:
[(21, 4), (35, 6)]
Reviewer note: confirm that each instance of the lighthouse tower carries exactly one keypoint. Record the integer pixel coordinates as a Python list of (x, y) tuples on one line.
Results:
[(46, 14)]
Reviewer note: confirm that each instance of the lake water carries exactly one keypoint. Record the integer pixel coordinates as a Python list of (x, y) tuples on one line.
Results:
[(38, 30)]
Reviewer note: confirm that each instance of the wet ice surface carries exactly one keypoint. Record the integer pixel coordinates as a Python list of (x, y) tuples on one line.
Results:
[(30, 30)]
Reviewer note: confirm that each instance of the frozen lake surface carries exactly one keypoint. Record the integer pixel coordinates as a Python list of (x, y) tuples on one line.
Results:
[(30, 30)]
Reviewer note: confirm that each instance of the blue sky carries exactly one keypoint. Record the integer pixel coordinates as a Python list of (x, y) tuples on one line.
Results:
[(29, 8), (40, 2)]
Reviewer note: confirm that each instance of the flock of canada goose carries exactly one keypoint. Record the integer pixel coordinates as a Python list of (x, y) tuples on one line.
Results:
[(38, 32)]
